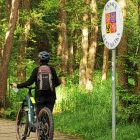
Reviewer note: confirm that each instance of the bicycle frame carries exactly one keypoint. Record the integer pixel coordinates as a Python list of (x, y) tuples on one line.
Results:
[(31, 107), (41, 123)]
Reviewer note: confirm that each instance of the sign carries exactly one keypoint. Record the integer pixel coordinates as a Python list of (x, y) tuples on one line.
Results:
[(112, 24)]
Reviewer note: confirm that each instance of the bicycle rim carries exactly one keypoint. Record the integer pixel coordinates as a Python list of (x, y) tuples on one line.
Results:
[(46, 124), (22, 124)]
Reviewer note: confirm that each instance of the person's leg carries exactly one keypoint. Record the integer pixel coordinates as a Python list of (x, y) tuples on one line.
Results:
[(50, 106), (39, 107)]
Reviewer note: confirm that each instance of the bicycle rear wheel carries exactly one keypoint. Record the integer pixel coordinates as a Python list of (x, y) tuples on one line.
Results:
[(22, 124), (46, 124)]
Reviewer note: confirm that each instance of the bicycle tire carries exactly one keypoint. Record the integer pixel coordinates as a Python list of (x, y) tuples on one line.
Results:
[(46, 124), (22, 123)]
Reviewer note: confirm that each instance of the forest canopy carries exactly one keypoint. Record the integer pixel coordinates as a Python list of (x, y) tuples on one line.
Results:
[(71, 32)]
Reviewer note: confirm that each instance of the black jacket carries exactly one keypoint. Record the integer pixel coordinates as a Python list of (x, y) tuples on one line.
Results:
[(41, 96)]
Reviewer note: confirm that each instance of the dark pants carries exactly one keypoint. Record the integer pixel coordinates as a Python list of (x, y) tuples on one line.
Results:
[(48, 105)]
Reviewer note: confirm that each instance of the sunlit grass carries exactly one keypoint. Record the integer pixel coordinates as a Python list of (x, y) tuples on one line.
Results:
[(89, 114)]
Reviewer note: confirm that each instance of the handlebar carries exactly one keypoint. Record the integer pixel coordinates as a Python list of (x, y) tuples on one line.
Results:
[(28, 87)]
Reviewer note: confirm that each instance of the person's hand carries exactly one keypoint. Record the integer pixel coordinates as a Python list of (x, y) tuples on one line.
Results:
[(14, 85)]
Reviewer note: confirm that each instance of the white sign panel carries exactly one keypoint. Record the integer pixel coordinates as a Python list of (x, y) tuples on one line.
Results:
[(112, 24)]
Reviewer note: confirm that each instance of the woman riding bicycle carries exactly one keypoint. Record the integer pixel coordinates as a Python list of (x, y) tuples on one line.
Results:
[(44, 98)]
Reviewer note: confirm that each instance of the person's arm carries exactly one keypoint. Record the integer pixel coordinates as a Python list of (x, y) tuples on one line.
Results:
[(56, 80), (30, 81)]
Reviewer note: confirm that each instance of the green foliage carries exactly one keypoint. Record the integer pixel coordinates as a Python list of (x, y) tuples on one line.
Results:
[(13, 102), (88, 115), (82, 112), (74, 13), (129, 107), (44, 21), (3, 23), (133, 39), (10, 114)]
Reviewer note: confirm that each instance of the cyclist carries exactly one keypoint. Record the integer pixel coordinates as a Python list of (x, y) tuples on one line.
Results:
[(42, 98)]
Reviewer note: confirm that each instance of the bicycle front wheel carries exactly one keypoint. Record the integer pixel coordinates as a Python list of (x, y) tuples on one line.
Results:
[(22, 124), (46, 124)]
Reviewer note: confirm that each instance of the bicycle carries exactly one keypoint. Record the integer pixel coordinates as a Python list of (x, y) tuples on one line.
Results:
[(27, 120)]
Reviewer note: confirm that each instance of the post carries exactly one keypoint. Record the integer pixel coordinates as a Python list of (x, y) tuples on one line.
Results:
[(113, 93), (112, 17)]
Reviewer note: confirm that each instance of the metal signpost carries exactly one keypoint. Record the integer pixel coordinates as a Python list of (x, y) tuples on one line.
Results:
[(112, 29)]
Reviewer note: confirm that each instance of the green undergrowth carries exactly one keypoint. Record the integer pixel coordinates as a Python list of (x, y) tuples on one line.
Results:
[(88, 114)]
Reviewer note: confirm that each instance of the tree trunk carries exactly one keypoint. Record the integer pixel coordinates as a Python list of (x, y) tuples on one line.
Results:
[(105, 63), (85, 39), (0, 40), (92, 47), (122, 52), (8, 8), (21, 68), (1, 54), (63, 44), (59, 49), (137, 83), (73, 51), (7, 51), (71, 56)]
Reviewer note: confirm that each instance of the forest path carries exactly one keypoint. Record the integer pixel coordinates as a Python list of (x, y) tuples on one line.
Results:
[(8, 132)]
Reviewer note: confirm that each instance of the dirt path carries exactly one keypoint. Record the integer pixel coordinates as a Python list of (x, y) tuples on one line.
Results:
[(7, 132)]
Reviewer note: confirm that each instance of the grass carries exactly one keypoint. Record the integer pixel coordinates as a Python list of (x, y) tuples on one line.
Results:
[(88, 115)]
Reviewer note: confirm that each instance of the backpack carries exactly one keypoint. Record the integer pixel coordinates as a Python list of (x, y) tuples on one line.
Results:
[(44, 78)]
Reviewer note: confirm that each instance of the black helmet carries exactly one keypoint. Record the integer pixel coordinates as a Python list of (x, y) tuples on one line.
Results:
[(44, 56)]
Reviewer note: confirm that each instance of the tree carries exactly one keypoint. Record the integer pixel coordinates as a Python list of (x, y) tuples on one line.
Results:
[(137, 84), (71, 56), (74, 16), (8, 8), (85, 39), (122, 52), (105, 63), (7, 50), (23, 40), (92, 46), (62, 40), (0, 36)]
